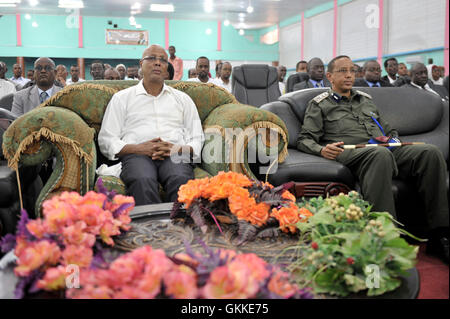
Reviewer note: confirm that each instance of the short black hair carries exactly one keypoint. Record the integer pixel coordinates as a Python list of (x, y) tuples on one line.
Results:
[(171, 70), (172, 47), (97, 61), (390, 59), (298, 63), (202, 57), (330, 67), (74, 66), (364, 67)]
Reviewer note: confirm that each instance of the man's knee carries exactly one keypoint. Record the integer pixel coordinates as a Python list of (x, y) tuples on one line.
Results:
[(382, 156)]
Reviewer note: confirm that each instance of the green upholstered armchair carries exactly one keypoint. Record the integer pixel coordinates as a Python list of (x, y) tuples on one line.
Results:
[(67, 124)]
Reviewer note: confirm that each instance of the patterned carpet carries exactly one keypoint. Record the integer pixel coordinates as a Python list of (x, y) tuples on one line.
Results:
[(433, 276)]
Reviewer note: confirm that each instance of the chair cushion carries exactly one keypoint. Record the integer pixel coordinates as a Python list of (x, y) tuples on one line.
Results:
[(302, 167), (294, 79)]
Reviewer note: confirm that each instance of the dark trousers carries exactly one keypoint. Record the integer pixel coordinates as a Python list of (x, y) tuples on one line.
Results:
[(375, 168), (142, 177)]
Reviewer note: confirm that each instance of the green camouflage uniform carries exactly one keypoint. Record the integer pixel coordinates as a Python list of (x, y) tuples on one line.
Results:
[(331, 118)]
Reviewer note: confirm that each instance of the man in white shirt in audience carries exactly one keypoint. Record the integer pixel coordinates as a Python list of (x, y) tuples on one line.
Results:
[(419, 78), (147, 126), (202, 67), (18, 78), (75, 75), (225, 74), (6, 87), (281, 75)]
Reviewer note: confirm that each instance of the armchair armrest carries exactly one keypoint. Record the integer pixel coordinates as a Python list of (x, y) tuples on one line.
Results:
[(230, 128), (53, 131)]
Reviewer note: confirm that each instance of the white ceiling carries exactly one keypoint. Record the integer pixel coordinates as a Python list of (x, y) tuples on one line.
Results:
[(266, 12)]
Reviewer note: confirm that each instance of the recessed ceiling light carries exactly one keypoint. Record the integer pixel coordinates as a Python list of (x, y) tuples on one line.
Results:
[(10, 1), (28, 16), (162, 7), (250, 9), (241, 32), (208, 6), (34, 24), (242, 15), (136, 6), (226, 23), (208, 31), (71, 4), (33, 3)]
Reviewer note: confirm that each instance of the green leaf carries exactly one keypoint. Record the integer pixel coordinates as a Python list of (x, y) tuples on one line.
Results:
[(355, 283), (323, 216)]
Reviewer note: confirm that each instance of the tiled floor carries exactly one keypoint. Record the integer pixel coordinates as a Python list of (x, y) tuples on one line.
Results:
[(433, 276)]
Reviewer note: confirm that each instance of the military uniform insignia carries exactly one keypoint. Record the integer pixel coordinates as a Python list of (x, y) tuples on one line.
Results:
[(319, 98), (364, 94)]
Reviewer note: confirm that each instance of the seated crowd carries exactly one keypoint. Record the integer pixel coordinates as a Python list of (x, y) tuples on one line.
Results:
[(145, 150)]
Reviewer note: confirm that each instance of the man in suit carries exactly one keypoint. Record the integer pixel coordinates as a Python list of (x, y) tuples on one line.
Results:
[(372, 76), (391, 67), (44, 76), (419, 80), (316, 73)]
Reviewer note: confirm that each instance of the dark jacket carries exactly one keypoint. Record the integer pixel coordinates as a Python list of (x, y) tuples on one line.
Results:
[(361, 82), (308, 85), (386, 78)]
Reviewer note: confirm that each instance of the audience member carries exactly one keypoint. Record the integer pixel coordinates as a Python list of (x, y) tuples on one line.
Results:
[(97, 70), (177, 64), (192, 73), (391, 67), (6, 87), (139, 74), (30, 75), (224, 80), (61, 74), (112, 74), (106, 66), (44, 75), (18, 78), (133, 72), (402, 69), (419, 78), (281, 75), (301, 66), (435, 75), (146, 126), (372, 76), (202, 66), (218, 69), (170, 71), (122, 71), (316, 72), (360, 71), (344, 115), (75, 75)]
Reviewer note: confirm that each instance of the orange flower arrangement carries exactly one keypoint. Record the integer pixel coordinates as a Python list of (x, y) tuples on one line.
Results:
[(250, 201)]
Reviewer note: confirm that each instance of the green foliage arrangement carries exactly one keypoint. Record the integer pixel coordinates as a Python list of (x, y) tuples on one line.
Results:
[(345, 248)]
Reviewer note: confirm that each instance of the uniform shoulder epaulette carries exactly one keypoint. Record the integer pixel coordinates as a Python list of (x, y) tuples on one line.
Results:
[(319, 98), (364, 94)]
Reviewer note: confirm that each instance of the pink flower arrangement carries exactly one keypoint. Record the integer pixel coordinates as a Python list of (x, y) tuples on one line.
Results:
[(149, 273), (65, 236)]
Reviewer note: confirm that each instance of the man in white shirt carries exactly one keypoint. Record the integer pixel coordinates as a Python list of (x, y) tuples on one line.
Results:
[(6, 87), (202, 67), (419, 78), (224, 80), (75, 75), (147, 127), (18, 78), (281, 75)]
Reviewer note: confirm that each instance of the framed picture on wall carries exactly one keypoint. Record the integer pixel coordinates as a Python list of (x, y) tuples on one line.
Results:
[(131, 37)]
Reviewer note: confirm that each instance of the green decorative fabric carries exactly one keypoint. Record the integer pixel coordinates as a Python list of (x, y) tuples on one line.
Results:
[(112, 183), (23, 137)]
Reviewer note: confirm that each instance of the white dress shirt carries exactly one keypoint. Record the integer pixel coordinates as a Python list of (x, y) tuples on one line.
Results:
[(6, 87), (69, 81), (426, 88), (222, 84), (133, 116), (21, 81), (198, 80)]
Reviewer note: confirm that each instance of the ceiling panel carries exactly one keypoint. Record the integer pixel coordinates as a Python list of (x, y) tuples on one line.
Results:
[(266, 12)]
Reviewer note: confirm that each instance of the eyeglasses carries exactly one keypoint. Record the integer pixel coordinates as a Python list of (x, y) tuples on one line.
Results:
[(47, 68), (345, 71), (154, 58)]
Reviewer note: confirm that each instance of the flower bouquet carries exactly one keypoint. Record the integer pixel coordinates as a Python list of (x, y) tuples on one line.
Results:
[(149, 273), (257, 209), (69, 235), (345, 248)]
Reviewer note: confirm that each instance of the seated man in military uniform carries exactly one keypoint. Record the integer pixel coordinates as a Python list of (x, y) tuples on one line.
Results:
[(344, 115)]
